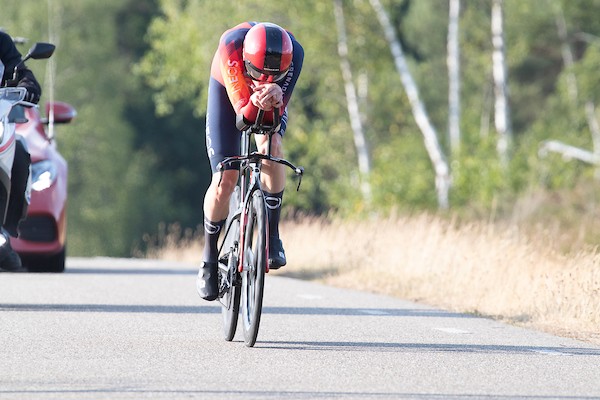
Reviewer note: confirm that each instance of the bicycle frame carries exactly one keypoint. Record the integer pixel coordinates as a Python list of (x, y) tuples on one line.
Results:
[(250, 170)]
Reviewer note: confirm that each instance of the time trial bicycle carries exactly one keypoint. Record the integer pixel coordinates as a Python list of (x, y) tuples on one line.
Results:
[(244, 250)]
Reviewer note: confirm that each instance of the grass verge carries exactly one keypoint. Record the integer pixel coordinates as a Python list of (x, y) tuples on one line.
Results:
[(482, 268)]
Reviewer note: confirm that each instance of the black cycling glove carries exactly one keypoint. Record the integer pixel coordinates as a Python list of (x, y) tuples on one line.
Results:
[(28, 81)]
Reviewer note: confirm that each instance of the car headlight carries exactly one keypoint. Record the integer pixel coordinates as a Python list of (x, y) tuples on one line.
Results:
[(43, 175)]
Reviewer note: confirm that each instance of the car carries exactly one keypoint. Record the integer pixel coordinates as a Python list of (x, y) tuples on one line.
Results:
[(42, 234)]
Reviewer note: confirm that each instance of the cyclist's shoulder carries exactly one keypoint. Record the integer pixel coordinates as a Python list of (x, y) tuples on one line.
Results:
[(236, 33)]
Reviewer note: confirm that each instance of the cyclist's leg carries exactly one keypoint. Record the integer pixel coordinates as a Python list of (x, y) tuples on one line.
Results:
[(222, 140)]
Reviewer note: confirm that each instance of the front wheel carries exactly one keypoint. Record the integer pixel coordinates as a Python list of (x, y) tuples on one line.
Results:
[(255, 265)]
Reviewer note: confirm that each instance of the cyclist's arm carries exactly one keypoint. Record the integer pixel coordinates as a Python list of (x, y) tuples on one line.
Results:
[(231, 65)]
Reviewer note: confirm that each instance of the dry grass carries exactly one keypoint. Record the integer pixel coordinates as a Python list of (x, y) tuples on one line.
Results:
[(477, 267)]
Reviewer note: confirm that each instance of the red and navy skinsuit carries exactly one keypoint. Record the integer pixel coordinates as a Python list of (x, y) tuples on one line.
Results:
[(229, 92)]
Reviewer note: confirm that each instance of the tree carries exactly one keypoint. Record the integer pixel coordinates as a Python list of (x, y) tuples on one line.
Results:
[(360, 142), (436, 154), (453, 61), (501, 108), (113, 199), (568, 151)]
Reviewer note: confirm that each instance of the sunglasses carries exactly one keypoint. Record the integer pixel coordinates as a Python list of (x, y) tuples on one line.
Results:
[(263, 76)]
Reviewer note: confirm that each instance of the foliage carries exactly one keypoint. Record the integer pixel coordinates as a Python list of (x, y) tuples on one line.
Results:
[(117, 190), (137, 72)]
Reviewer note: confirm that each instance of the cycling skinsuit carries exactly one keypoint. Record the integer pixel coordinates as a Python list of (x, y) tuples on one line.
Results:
[(229, 91)]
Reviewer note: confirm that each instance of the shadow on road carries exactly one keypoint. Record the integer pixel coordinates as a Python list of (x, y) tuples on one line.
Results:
[(213, 309), (131, 271), (281, 394), (429, 347)]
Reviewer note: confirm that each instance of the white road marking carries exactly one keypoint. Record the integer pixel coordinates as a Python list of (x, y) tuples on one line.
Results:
[(375, 312), (550, 352), (453, 330)]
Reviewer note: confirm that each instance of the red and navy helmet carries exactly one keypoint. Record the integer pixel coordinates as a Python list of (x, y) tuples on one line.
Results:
[(268, 52)]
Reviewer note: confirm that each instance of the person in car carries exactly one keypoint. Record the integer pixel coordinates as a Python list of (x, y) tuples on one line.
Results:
[(256, 66), (10, 57)]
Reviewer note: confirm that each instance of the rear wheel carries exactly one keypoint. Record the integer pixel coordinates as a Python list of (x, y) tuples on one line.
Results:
[(255, 264), (230, 300), (229, 277)]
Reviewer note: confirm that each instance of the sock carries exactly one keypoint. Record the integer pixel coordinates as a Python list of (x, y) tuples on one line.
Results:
[(274, 201), (212, 230)]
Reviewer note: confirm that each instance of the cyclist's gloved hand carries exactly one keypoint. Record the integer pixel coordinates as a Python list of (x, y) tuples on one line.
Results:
[(267, 96)]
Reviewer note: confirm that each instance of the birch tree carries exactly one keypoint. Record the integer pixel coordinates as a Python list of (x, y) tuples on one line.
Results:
[(568, 151), (360, 141), (442, 171), (453, 61), (501, 107)]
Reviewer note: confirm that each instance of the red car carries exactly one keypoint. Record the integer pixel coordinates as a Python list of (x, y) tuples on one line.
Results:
[(42, 239)]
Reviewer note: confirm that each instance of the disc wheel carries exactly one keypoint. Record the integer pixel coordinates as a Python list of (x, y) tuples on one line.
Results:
[(255, 264)]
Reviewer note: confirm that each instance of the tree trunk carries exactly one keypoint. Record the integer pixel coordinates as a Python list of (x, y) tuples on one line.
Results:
[(566, 150), (567, 54), (501, 108), (360, 141), (442, 171), (453, 62)]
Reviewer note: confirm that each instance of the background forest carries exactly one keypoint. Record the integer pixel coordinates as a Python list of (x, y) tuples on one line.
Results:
[(137, 73)]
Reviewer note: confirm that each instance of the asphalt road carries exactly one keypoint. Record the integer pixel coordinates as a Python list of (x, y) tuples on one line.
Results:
[(131, 329)]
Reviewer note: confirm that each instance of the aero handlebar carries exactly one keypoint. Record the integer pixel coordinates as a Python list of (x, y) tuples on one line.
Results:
[(255, 157)]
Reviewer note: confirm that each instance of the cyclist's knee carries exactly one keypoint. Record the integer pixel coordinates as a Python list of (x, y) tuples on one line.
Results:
[(224, 184), (262, 143), (276, 146), (277, 149)]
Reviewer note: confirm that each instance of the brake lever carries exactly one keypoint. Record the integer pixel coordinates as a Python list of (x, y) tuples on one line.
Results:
[(299, 172)]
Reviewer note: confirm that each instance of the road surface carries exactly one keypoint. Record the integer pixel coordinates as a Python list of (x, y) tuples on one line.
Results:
[(132, 329)]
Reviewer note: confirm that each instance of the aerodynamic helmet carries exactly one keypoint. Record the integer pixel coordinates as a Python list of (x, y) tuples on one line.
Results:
[(267, 52)]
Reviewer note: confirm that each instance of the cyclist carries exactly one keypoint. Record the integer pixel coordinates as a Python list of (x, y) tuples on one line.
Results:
[(256, 66), (18, 202)]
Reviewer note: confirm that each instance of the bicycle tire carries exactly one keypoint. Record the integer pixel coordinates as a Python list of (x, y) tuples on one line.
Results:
[(255, 264), (228, 262)]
